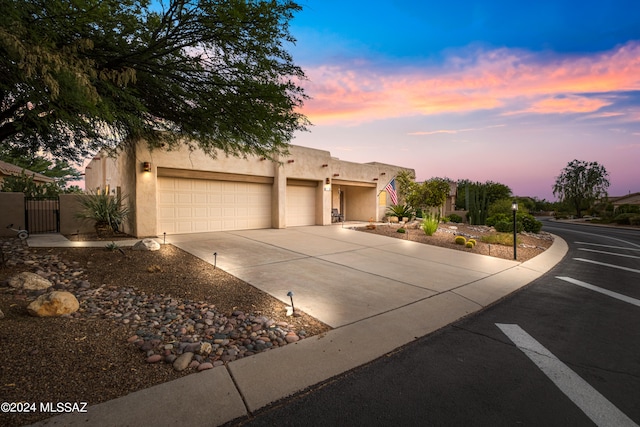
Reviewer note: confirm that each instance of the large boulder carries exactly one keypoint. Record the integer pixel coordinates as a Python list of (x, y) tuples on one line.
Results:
[(29, 282), (54, 303), (146, 245)]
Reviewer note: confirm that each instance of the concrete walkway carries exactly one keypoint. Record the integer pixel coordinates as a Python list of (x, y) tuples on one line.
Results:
[(361, 284)]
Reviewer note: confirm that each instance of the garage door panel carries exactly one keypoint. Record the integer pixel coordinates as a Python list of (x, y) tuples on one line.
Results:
[(192, 206), (301, 205)]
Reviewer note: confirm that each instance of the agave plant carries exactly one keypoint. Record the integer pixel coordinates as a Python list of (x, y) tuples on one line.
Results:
[(108, 211), (400, 211)]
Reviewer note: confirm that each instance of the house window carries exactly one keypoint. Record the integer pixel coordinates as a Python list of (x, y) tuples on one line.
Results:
[(382, 198)]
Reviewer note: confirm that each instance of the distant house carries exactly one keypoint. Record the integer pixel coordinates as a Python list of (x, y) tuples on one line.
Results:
[(7, 169), (629, 199)]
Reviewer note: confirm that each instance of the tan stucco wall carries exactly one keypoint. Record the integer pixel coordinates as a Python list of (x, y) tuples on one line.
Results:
[(11, 212), (69, 223), (301, 163)]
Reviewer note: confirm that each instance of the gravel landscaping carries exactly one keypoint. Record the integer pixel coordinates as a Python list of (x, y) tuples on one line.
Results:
[(150, 317)]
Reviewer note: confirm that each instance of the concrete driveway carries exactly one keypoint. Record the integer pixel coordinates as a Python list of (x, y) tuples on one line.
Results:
[(338, 275)]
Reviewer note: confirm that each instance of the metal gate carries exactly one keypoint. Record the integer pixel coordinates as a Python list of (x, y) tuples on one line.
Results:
[(42, 214)]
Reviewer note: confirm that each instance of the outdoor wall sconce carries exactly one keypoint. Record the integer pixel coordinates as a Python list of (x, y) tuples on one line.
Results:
[(146, 166), (327, 181), (325, 165), (336, 174), (290, 161)]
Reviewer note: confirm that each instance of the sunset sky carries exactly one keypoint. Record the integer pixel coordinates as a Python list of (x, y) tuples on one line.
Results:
[(485, 90)]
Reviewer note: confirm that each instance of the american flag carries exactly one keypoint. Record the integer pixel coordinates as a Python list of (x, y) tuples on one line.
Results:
[(391, 189)]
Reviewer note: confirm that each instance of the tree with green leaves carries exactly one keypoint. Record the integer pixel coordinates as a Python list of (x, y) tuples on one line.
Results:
[(580, 184), (59, 170), (405, 180), (429, 194), (82, 75)]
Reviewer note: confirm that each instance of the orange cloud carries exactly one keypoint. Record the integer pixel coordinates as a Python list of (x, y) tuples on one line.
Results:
[(511, 80)]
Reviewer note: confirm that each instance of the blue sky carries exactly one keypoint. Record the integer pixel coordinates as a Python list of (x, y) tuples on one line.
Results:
[(483, 90)]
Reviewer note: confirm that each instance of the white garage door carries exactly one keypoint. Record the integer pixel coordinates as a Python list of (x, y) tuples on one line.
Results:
[(197, 205), (301, 205)]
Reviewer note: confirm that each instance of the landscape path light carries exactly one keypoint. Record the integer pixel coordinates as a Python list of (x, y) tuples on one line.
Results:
[(290, 295), (514, 208), (215, 259)]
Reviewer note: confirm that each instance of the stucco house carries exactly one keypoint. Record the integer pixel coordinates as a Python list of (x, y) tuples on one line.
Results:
[(629, 199), (182, 191), (8, 169)]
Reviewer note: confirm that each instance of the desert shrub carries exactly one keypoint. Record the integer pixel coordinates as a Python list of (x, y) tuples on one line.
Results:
[(455, 218), (626, 218), (430, 224), (507, 226), (499, 217), (628, 209), (401, 230), (634, 220), (460, 240), (469, 245), (529, 223)]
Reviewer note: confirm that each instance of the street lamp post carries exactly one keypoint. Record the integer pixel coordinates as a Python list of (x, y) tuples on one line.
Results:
[(514, 208)]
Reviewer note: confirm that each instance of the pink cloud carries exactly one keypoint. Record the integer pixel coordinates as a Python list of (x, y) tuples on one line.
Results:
[(569, 104), (483, 80)]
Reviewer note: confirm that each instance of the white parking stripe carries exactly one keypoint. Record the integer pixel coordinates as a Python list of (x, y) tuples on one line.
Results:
[(609, 253), (607, 246), (601, 290), (600, 410), (633, 270)]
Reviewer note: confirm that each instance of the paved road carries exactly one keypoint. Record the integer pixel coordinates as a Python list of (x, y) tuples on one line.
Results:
[(564, 351)]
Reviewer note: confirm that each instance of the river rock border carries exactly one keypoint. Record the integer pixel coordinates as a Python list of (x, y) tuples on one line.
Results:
[(166, 329)]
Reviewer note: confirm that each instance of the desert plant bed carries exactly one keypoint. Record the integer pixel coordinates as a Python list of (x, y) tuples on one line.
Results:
[(529, 244)]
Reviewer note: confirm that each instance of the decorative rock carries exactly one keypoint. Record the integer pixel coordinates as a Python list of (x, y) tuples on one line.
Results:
[(291, 337), (205, 349), (29, 281), (55, 303), (154, 359), (181, 363), (146, 245), (204, 366)]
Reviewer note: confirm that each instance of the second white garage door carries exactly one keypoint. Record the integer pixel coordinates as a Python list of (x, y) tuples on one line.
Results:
[(197, 205), (301, 205)]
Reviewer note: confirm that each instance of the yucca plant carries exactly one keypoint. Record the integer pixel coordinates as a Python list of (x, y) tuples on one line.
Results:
[(108, 211)]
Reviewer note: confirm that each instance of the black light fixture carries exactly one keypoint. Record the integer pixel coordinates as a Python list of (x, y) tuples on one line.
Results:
[(290, 295), (514, 208), (146, 166)]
